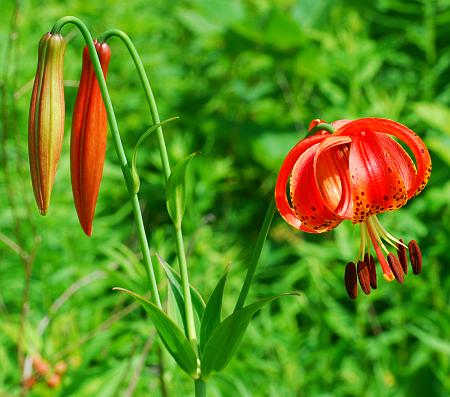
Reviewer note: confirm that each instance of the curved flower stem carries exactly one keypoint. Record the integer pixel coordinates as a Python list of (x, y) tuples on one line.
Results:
[(255, 255), (119, 150), (320, 127), (166, 170)]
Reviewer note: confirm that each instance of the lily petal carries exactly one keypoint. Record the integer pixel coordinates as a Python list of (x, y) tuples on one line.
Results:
[(332, 175), (309, 205), (403, 133), (377, 186), (283, 205)]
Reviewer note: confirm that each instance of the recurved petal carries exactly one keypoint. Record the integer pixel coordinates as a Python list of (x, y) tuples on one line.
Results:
[(404, 134), (332, 175), (400, 160), (307, 201), (377, 186), (284, 207)]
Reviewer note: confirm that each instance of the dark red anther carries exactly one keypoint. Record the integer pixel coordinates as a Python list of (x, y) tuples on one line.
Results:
[(351, 283), (396, 268), (364, 276), (401, 253), (415, 256), (372, 271)]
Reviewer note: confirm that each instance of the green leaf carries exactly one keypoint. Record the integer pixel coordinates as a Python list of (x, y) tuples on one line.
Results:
[(175, 283), (440, 345), (211, 317), (176, 191), (225, 339), (172, 336), (142, 138)]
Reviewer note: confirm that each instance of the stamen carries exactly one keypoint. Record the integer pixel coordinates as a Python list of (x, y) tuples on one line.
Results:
[(385, 235), (396, 268), (377, 234), (387, 273), (415, 256), (362, 244), (351, 283), (370, 262), (401, 253), (364, 277)]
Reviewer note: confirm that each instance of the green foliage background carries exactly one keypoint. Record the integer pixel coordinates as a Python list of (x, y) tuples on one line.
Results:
[(245, 77)]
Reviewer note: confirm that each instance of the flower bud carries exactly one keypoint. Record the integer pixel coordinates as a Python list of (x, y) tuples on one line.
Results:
[(40, 366), (88, 139), (46, 118), (53, 381)]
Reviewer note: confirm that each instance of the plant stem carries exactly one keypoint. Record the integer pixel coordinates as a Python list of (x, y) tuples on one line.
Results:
[(255, 255), (166, 171), (148, 93), (200, 388), (119, 150)]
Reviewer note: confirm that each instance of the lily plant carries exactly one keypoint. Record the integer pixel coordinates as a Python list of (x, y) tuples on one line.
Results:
[(204, 341), (347, 170)]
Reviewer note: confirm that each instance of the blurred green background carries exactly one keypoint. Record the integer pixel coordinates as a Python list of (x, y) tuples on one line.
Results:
[(245, 77)]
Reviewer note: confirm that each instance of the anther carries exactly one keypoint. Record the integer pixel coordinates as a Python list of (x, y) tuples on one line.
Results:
[(396, 268), (415, 256), (351, 283), (401, 252), (364, 277), (372, 270)]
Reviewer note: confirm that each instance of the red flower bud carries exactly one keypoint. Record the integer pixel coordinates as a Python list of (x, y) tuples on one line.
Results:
[(88, 140), (46, 119)]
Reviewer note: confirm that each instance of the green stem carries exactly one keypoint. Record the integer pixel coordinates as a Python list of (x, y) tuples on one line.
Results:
[(166, 171), (255, 255), (148, 93), (321, 127), (200, 388), (119, 150)]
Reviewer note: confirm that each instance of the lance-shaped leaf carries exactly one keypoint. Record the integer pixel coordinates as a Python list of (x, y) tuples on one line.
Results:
[(172, 336), (46, 118), (140, 141), (175, 283), (211, 317), (225, 339), (176, 191)]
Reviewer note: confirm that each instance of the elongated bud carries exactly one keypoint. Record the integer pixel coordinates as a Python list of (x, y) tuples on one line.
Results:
[(46, 118), (88, 139)]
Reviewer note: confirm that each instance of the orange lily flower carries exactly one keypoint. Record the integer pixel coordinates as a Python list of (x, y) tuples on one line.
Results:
[(355, 170)]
